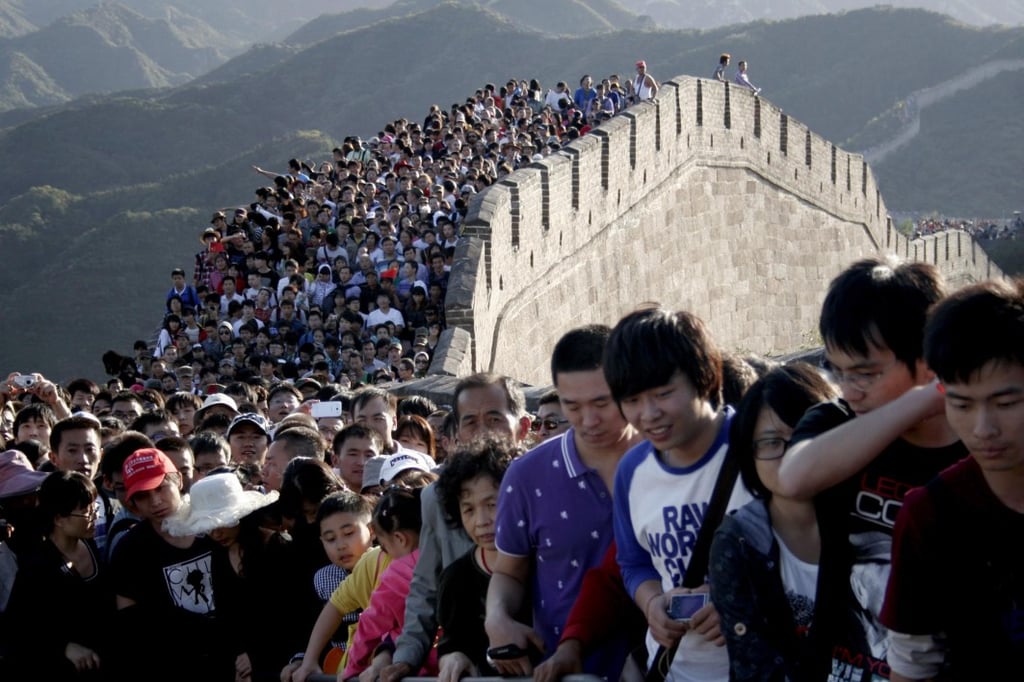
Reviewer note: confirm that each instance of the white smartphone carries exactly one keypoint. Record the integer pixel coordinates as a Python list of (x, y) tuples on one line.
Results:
[(327, 409)]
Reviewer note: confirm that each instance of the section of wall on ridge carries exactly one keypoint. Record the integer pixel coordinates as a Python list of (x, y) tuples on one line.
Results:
[(712, 200)]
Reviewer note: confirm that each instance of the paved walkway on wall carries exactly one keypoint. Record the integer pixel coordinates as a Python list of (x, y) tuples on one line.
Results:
[(926, 97)]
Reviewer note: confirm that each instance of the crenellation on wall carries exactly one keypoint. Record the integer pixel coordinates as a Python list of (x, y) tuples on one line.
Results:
[(646, 158), (615, 143), (742, 108), (526, 188), (713, 219), (560, 189), (453, 353), (587, 151)]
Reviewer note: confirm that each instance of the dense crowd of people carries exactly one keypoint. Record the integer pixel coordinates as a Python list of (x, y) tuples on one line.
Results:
[(246, 500), (675, 513), (338, 270), (979, 229)]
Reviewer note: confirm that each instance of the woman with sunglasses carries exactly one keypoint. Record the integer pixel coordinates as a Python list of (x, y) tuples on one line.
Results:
[(62, 607), (775, 576)]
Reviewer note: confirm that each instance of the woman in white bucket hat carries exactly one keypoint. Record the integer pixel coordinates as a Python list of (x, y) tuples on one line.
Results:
[(262, 594)]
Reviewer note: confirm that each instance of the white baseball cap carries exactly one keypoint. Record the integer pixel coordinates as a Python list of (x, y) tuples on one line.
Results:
[(403, 460)]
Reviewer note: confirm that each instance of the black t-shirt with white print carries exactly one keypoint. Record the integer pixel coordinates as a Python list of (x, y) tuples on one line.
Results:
[(175, 602), (864, 507)]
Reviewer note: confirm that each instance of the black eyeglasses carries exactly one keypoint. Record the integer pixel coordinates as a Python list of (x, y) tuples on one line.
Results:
[(89, 515), (551, 423), (860, 379), (770, 448)]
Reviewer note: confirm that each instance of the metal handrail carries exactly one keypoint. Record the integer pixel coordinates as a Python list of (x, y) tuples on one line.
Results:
[(322, 677)]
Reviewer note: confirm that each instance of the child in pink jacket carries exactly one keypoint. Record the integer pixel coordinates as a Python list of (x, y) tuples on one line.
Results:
[(396, 524)]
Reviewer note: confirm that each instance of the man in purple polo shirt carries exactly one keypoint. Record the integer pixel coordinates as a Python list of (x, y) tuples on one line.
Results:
[(555, 506)]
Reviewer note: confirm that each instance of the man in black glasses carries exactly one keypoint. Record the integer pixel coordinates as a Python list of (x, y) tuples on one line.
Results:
[(859, 455)]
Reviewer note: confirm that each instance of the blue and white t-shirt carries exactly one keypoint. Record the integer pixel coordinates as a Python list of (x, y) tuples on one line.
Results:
[(659, 510)]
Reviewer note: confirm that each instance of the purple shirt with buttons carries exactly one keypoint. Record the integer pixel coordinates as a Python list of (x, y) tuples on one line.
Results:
[(556, 511)]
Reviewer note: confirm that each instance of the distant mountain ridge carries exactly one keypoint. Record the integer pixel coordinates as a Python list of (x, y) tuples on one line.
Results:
[(239, 22), (89, 48), (271, 89), (715, 13), (103, 49), (13, 22), (134, 44), (551, 17)]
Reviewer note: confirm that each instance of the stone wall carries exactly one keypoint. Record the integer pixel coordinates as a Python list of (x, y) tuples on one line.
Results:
[(710, 199)]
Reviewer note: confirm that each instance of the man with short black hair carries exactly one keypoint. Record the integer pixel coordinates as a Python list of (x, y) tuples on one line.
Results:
[(186, 292), (286, 446), (374, 408), (178, 451), (209, 451), (182, 407), (438, 273), (126, 406), (858, 456), (963, 527), (384, 313), (550, 421), (115, 452), (282, 400), (75, 446), (155, 424), (742, 79), (555, 509), (248, 315), (34, 421), (83, 392), (229, 295), (665, 374), (268, 277)]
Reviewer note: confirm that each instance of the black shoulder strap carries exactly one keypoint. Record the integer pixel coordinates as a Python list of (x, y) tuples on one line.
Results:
[(108, 504), (697, 567)]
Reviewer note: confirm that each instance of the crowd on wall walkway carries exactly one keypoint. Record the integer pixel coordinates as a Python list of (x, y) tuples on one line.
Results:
[(339, 268), (977, 228)]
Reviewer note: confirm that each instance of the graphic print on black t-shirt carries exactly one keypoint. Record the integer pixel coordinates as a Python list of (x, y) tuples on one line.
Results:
[(865, 507), (190, 585)]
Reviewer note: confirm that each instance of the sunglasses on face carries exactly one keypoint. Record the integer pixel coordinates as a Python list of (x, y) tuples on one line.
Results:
[(550, 424)]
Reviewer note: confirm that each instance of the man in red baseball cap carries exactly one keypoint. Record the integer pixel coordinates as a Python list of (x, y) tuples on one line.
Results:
[(164, 584)]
